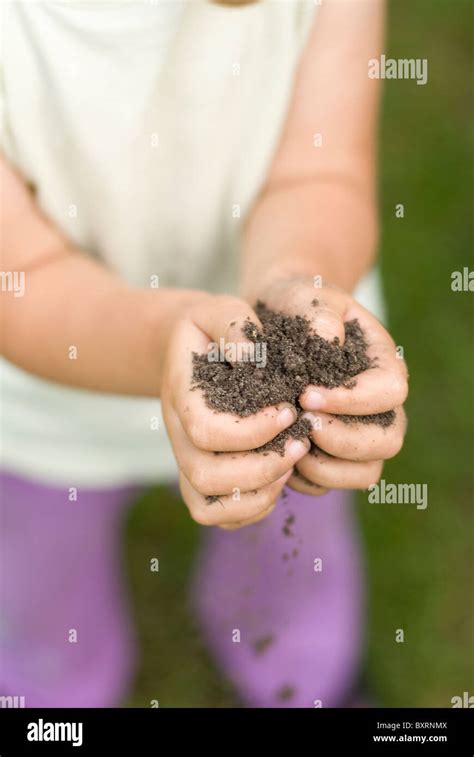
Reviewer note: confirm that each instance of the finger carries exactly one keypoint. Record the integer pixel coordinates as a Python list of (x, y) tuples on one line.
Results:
[(357, 440), (337, 473), (225, 432), (327, 314), (375, 390), (223, 473), (216, 431), (299, 483), (323, 307), (251, 521), (211, 430), (226, 324), (225, 510)]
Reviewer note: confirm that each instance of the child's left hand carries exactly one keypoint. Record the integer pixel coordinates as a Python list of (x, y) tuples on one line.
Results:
[(350, 455)]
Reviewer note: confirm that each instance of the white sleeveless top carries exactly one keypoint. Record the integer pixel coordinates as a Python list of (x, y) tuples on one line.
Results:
[(147, 128)]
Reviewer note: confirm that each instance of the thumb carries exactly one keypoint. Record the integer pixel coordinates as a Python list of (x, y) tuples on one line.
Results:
[(231, 324), (327, 315), (324, 308)]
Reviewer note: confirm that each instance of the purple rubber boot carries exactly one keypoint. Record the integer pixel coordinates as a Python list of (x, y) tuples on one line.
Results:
[(280, 603), (65, 637)]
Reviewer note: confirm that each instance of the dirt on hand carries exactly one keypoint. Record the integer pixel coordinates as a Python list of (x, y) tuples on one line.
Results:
[(295, 358)]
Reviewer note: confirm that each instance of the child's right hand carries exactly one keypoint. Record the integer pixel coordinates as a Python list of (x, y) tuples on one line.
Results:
[(246, 485)]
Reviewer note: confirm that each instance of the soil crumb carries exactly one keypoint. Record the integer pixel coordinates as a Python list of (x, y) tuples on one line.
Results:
[(263, 643), (285, 693), (211, 498), (289, 521)]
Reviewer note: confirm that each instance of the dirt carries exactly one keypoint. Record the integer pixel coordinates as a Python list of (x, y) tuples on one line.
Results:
[(298, 430), (381, 419), (285, 693), (211, 498), (295, 358), (261, 645), (289, 521)]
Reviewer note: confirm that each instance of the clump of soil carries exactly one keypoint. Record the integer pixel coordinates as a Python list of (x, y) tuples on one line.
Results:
[(295, 358), (289, 520)]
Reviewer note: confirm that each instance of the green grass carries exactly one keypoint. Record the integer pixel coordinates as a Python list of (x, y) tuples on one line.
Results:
[(174, 667), (420, 562)]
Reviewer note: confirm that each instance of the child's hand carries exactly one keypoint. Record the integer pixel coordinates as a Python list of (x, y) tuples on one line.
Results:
[(350, 455), (235, 487)]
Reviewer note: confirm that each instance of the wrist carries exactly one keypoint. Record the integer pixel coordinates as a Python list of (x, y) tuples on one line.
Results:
[(281, 278), (162, 310)]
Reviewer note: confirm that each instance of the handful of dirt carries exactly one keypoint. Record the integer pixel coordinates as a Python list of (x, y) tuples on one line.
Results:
[(295, 358)]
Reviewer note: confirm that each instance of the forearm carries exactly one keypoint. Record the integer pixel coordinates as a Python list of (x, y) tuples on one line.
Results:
[(317, 215), (78, 324), (311, 228)]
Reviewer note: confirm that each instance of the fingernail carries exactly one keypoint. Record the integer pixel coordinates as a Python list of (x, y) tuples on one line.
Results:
[(314, 400), (297, 448), (286, 417)]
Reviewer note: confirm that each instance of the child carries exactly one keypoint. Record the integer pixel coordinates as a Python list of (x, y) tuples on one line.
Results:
[(166, 164)]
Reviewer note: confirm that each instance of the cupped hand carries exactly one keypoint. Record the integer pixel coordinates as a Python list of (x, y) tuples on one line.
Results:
[(347, 454), (221, 480)]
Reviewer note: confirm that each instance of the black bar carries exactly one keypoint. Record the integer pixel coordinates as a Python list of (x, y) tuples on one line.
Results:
[(147, 731)]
